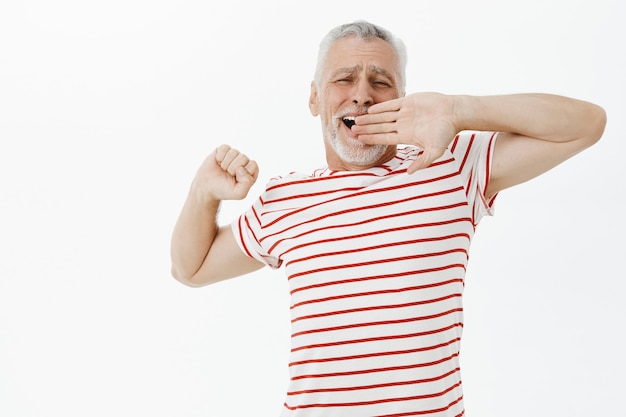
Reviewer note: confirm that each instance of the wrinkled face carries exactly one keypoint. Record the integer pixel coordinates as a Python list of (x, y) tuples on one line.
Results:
[(358, 73)]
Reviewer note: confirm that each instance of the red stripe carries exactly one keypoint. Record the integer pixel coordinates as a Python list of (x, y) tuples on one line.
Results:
[(374, 386), (374, 370), (256, 215), (352, 174), (455, 141), (375, 247), (467, 152), (384, 276), (378, 323), (377, 339), (424, 412), (296, 196), (381, 401), (469, 182), (365, 294), (378, 261), (376, 354)]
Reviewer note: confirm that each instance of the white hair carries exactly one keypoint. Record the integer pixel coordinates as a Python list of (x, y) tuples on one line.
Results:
[(362, 30)]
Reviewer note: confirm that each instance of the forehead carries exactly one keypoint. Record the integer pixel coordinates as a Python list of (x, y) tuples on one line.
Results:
[(361, 53)]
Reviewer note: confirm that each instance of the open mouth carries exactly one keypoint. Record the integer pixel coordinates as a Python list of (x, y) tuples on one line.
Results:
[(349, 121)]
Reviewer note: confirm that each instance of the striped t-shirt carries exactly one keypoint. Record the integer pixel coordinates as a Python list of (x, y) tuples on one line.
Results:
[(375, 261)]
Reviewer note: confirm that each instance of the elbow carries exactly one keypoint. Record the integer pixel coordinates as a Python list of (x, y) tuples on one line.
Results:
[(597, 123), (183, 278)]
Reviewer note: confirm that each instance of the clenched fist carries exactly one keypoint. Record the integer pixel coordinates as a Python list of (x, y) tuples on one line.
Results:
[(226, 174)]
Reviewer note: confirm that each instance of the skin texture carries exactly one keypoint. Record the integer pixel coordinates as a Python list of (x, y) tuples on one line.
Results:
[(538, 132)]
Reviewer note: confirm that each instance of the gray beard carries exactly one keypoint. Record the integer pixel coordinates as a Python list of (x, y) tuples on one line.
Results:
[(352, 151)]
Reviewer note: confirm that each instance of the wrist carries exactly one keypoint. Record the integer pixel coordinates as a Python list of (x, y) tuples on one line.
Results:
[(200, 195), (462, 112)]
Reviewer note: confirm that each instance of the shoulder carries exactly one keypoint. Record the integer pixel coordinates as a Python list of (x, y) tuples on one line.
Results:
[(472, 141), (287, 186)]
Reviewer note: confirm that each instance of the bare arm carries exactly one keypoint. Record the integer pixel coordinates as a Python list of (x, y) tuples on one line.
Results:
[(203, 253), (539, 131)]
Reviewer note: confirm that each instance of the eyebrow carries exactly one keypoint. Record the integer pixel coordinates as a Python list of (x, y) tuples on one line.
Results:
[(371, 68), (346, 70), (381, 71)]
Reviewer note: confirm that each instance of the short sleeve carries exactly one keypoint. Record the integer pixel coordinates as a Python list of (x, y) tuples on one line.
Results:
[(473, 151), (247, 230)]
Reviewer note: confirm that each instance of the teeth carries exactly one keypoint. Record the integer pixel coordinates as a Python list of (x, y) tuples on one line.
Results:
[(349, 121)]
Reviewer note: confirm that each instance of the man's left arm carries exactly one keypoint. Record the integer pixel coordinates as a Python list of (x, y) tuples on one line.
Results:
[(537, 131)]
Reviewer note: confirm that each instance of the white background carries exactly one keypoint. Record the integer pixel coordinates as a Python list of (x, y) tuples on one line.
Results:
[(108, 107)]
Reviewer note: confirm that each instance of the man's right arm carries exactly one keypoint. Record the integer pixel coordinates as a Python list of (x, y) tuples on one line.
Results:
[(203, 253)]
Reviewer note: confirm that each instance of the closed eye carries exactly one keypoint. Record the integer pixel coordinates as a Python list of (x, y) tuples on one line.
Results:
[(381, 83)]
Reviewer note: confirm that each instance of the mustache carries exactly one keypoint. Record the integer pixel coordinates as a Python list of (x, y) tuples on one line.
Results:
[(351, 111)]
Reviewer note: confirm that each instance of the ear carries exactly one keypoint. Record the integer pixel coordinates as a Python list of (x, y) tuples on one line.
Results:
[(314, 100)]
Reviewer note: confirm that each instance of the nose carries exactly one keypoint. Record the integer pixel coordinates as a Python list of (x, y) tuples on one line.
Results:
[(362, 95)]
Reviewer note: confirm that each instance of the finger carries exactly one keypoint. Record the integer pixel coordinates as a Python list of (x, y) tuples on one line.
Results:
[(253, 169), (385, 106), (240, 160), (424, 160), (385, 138), (220, 153), (374, 128), (243, 176), (385, 117), (416, 166), (228, 159)]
